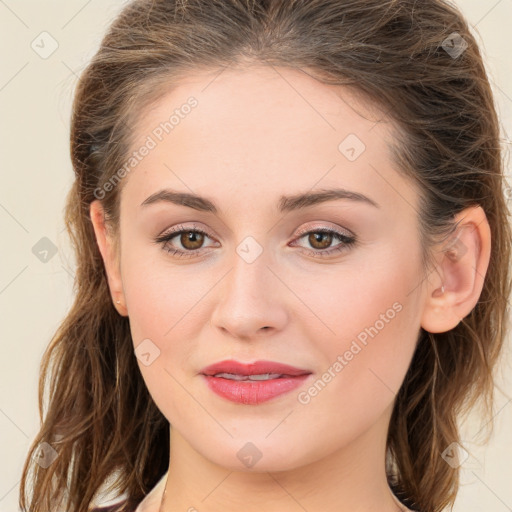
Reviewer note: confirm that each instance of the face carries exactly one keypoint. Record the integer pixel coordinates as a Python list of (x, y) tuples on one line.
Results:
[(330, 287)]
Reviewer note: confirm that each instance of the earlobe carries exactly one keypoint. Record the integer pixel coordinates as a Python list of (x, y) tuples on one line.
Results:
[(109, 255), (454, 288)]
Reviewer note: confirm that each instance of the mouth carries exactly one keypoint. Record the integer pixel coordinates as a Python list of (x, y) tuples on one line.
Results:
[(257, 377), (253, 383)]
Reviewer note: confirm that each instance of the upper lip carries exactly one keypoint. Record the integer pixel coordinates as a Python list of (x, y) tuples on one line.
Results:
[(256, 368)]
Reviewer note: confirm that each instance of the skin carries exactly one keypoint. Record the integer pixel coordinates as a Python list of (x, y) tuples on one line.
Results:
[(259, 133)]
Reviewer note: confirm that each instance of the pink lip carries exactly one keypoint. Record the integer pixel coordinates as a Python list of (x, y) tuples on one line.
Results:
[(253, 392)]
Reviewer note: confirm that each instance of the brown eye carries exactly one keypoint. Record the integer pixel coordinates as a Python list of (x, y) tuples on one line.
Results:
[(191, 240), (320, 240), (184, 242)]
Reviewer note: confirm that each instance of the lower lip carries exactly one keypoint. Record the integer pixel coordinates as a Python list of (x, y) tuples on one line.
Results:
[(251, 392)]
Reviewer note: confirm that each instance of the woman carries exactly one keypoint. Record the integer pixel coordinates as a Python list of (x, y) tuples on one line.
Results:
[(292, 261)]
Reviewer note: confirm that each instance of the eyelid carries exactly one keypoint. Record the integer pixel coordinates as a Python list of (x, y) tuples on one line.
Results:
[(181, 227), (323, 226)]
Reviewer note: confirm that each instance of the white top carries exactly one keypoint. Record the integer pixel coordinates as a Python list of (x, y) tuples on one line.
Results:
[(151, 503)]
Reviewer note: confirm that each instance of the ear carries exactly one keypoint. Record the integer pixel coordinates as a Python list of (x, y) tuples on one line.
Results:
[(461, 267), (110, 256)]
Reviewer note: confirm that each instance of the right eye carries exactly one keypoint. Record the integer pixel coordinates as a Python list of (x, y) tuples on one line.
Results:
[(191, 239)]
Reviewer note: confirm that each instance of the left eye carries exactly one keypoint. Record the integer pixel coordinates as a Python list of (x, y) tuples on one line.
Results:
[(192, 240), (322, 238)]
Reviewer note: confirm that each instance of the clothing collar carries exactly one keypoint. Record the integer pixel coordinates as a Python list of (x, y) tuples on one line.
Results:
[(151, 502)]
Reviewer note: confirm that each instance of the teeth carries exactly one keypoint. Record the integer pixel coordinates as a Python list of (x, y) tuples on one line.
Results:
[(262, 376), (230, 376), (265, 376)]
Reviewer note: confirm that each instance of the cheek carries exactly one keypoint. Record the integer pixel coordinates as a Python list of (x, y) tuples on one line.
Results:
[(159, 298), (163, 308), (365, 299), (373, 321), (155, 313)]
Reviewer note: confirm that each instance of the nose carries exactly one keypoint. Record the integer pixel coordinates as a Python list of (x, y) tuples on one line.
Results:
[(251, 300)]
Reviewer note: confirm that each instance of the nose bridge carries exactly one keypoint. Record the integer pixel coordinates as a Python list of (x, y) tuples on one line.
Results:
[(247, 300), (249, 267)]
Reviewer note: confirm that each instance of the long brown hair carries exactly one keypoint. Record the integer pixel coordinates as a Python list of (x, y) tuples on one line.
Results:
[(96, 412)]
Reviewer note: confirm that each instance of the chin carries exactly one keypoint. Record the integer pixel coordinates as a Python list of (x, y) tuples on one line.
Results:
[(258, 456)]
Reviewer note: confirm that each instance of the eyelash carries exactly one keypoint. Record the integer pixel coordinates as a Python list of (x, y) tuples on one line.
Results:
[(348, 241)]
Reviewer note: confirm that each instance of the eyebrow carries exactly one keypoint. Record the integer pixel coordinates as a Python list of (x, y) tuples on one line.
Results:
[(285, 203)]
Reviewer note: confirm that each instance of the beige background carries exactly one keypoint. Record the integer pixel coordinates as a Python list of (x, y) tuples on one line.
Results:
[(35, 96)]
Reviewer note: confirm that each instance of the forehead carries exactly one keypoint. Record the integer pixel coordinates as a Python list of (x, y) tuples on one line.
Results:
[(265, 127), (253, 101)]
